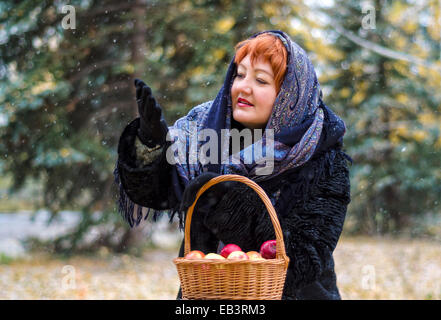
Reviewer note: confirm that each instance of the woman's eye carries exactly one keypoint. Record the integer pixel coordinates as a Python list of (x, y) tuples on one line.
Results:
[(241, 76)]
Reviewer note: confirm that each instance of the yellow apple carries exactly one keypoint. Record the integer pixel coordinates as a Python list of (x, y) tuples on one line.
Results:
[(214, 256), (238, 255), (254, 255)]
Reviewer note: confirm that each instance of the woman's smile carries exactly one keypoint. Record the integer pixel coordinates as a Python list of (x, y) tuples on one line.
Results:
[(241, 102)]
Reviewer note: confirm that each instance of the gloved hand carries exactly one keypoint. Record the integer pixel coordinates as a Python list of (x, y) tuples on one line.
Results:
[(210, 198), (153, 128)]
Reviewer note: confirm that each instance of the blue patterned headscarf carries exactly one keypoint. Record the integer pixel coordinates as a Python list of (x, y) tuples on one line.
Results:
[(298, 112)]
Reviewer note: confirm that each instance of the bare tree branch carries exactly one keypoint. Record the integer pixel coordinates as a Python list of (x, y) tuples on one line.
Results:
[(92, 67), (372, 46), (386, 52)]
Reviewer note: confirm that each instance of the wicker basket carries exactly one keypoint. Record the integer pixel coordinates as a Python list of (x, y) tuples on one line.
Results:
[(233, 279)]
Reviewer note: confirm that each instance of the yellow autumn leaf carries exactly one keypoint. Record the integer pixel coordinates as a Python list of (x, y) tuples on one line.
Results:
[(402, 67), (197, 71), (410, 27), (128, 67), (345, 92), (434, 27), (418, 51), (333, 54), (402, 98), (400, 42), (360, 92), (402, 131), (397, 134), (395, 114), (435, 78), (224, 25), (358, 97), (363, 85), (427, 119), (269, 9), (434, 31), (419, 135), (42, 86), (394, 139), (64, 152), (396, 12), (357, 68), (218, 53), (47, 84)]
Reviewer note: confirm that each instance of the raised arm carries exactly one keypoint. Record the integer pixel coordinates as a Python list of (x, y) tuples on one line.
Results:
[(142, 173)]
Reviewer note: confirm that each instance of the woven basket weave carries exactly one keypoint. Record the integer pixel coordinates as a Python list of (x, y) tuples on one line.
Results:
[(233, 279)]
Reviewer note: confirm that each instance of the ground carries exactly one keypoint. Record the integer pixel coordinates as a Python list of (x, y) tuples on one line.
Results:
[(367, 268)]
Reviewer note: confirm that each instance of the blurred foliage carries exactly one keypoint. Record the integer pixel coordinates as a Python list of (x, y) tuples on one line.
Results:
[(392, 111), (67, 94)]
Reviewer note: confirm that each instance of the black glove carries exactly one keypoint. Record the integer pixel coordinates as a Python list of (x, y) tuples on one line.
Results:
[(153, 128), (210, 198)]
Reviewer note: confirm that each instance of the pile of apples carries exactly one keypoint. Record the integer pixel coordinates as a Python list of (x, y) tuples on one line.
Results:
[(234, 252)]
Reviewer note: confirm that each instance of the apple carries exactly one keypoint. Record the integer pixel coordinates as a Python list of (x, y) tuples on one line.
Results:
[(268, 249), (225, 252), (195, 254), (254, 255), (238, 255), (214, 256)]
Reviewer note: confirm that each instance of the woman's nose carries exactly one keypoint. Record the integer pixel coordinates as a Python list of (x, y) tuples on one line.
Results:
[(245, 86)]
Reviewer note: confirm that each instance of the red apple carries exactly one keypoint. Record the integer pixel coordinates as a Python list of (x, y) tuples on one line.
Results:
[(254, 255), (238, 255), (195, 254), (214, 256), (225, 252), (268, 249)]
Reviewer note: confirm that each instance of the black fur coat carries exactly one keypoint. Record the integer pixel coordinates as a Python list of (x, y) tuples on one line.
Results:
[(311, 206)]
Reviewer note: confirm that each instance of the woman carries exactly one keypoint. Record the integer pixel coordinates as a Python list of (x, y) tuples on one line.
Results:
[(270, 84)]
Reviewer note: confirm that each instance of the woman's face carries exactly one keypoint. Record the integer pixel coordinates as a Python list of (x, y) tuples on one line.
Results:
[(253, 93)]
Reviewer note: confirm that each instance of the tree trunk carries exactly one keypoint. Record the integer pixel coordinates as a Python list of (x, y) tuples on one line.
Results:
[(133, 236), (246, 24), (138, 42)]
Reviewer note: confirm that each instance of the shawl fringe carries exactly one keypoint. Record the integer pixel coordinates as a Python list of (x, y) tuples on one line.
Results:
[(133, 213)]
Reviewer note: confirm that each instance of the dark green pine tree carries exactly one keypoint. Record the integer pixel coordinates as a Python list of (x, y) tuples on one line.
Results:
[(66, 94)]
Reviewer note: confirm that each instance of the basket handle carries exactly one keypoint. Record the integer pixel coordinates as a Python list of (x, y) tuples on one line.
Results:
[(280, 247)]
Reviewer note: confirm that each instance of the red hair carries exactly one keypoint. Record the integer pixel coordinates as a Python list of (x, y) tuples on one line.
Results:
[(268, 47)]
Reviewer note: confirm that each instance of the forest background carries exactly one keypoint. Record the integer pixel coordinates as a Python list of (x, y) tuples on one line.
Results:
[(66, 94)]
